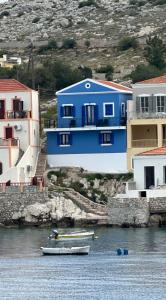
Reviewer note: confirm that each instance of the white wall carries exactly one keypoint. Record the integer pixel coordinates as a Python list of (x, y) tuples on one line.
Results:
[(4, 158), (24, 96), (35, 105), (104, 162), (158, 161)]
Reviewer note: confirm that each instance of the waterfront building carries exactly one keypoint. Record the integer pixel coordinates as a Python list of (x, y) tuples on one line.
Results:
[(19, 132), (91, 130), (146, 126), (149, 175)]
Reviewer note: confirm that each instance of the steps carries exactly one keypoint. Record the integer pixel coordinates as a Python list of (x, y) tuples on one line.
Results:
[(99, 210), (41, 165)]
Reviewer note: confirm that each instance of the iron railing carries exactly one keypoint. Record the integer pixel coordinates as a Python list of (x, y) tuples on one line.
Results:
[(9, 142), (144, 143), (146, 115)]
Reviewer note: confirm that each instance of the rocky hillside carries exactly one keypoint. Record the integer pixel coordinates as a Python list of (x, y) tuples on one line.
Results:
[(104, 21)]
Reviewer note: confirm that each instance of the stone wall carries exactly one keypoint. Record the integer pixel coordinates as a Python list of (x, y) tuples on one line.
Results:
[(11, 203), (125, 212)]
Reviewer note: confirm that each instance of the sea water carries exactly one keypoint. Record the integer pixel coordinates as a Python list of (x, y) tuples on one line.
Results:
[(26, 274)]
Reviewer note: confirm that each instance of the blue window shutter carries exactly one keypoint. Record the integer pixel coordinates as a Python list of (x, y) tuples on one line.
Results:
[(96, 113), (61, 111), (112, 138), (100, 138), (73, 111), (70, 138), (83, 115), (58, 139)]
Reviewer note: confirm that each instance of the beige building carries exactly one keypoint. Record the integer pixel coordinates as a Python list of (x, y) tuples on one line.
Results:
[(146, 117)]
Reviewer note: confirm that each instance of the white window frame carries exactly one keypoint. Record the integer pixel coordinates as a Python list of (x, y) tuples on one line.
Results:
[(142, 108), (64, 145), (123, 112), (104, 109), (67, 117), (156, 96), (106, 132)]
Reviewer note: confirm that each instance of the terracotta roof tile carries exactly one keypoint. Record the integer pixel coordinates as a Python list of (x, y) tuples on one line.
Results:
[(161, 79), (115, 85), (156, 151), (9, 85)]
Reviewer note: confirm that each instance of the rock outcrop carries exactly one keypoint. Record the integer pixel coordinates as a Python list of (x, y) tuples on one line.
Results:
[(105, 21)]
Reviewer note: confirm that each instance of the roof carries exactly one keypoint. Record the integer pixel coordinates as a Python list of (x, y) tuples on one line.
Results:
[(101, 83), (10, 85), (155, 80), (114, 85), (156, 151)]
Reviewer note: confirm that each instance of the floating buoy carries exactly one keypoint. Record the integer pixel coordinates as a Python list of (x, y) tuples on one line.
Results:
[(121, 251)]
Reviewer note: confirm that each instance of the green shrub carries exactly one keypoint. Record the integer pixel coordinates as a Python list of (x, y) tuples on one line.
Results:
[(59, 174), (143, 72), (105, 69), (69, 44), (87, 3), (128, 42), (36, 20)]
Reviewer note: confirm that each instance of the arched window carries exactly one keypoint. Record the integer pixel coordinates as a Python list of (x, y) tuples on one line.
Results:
[(1, 169)]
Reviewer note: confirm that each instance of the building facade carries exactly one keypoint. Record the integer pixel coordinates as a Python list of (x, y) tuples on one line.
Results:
[(146, 126), (19, 132), (91, 130)]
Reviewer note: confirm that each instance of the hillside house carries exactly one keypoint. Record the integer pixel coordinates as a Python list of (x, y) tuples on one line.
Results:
[(91, 131), (19, 132)]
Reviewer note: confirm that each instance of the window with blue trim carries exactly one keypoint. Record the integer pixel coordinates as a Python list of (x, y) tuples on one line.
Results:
[(67, 111), (108, 109), (106, 138), (64, 139)]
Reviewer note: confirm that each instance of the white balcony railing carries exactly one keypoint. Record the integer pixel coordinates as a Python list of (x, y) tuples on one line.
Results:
[(145, 115), (144, 143)]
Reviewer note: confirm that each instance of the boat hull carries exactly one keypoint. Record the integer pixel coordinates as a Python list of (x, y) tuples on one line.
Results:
[(74, 236), (66, 251)]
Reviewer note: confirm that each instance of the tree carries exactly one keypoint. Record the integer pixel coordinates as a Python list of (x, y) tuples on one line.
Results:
[(155, 52), (69, 44), (143, 72), (128, 42)]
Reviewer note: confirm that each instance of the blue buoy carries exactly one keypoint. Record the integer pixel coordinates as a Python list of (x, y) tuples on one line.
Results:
[(119, 251), (125, 251)]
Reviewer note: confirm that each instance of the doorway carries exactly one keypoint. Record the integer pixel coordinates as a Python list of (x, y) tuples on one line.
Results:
[(8, 133), (2, 109), (149, 177), (90, 114), (1, 168)]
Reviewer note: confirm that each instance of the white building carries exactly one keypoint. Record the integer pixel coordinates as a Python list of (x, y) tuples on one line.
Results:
[(19, 132), (149, 175)]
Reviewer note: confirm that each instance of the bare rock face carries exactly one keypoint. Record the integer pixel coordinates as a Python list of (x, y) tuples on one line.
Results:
[(104, 19)]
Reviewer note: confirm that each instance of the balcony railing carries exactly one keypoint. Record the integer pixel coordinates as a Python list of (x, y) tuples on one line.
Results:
[(24, 114), (9, 142), (146, 115), (144, 143), (78, 122)]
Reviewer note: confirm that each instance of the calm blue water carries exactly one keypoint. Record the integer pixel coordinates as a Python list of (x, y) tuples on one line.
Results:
[(25, 274)]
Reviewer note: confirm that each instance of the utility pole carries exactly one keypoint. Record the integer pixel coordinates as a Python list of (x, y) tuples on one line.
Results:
[(31, 64)]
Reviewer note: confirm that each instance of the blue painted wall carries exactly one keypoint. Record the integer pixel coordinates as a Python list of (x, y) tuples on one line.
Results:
[(87, 142)]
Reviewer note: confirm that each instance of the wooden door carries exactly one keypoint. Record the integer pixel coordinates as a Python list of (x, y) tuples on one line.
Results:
[(17, 105), (149, 177), (8, 132), (2, 109)]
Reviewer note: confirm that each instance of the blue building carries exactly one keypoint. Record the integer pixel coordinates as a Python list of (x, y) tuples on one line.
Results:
[(91, 130)]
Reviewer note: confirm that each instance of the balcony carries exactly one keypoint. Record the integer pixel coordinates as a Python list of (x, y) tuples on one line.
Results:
[(24, 114), (78, 122), (9, 142), (141, 143), (132, 115)]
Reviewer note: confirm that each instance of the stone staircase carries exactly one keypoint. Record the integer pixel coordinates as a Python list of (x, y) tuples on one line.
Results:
[(98, 211), (41, 165)]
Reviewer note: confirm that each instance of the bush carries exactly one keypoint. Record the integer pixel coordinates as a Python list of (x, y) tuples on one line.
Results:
[(69, 44), (105, 69), (143, 72), (36, 20), (128, 42), (87, 3)]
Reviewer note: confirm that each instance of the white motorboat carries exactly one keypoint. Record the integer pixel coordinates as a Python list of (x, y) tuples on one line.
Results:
[(77, 235), (64, 251)]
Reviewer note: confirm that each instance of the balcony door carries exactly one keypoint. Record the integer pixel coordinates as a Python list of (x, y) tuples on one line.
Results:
[(89, 114), (8, 133), (149, 177), (1, 168), (2, 109)]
